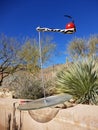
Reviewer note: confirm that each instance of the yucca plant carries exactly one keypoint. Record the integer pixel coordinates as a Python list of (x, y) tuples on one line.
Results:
[(80, 81)]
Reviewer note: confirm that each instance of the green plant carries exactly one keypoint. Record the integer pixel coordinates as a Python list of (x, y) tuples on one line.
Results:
[(80, 80)]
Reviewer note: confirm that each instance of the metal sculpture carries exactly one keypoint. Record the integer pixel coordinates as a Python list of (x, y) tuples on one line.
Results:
[(70, 28)]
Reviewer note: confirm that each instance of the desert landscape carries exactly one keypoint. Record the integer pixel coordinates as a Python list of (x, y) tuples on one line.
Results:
[(48, 65)]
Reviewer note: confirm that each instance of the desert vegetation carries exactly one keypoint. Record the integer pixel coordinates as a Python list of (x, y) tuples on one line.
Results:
[(81, 78), (20, 67), (16, 54), (81, 81)]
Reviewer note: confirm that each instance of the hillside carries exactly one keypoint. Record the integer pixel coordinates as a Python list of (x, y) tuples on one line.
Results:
[(12, 80), (48, 73)]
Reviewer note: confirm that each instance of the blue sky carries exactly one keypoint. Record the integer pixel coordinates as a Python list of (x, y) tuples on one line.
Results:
[(21, 17)]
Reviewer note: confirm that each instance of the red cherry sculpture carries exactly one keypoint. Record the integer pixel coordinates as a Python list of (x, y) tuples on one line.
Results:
[(70, 25)]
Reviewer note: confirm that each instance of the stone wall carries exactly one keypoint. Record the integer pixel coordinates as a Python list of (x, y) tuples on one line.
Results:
[(79, 117)]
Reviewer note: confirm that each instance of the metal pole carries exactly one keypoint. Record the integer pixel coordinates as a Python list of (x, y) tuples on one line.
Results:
[(41, 65)]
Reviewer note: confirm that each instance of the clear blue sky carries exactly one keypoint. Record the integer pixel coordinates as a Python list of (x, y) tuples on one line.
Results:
[(21, 17)]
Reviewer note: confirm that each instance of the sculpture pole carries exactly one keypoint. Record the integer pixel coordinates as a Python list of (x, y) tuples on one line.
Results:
[(41, 66)]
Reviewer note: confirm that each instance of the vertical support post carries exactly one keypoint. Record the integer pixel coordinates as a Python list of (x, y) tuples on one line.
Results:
[(41, 65)]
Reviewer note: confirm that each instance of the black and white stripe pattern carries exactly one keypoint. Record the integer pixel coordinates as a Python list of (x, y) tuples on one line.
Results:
[(65, 31)]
